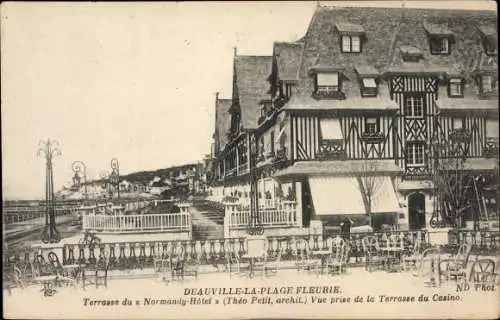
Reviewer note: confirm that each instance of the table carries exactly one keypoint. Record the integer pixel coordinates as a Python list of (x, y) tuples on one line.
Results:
[(324, 255), (393, 258)]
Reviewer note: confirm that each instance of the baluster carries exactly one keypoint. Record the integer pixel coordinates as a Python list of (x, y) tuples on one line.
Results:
[(81, 254), (152, 247), (112, 256), (64, 252), (122, 259), (242, 250), (197, 249), (92, 259), (212, 250), (203, 251), (142, 254), (221, 249)]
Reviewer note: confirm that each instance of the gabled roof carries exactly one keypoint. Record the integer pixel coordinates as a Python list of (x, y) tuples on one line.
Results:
[(251, 81), (288, 59), (386, 31), (222, 122)]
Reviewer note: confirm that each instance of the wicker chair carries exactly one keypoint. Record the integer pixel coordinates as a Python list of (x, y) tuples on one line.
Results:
[(483, 272), (456, 267), (302, 255), (374, 258), (232, 259), (272, 263), (337, 262)]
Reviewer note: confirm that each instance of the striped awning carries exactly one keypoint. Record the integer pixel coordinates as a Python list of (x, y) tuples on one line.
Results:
[(336, 195)]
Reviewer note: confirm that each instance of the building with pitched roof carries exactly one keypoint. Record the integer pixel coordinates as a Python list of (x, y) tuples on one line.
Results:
[(348, 120)]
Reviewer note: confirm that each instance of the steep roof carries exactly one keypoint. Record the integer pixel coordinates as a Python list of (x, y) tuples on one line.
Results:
[(288, 59), (385, 32), (252, 85), (222, 122)]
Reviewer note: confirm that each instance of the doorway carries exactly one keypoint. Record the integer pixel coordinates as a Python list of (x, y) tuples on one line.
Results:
[(416, 211)]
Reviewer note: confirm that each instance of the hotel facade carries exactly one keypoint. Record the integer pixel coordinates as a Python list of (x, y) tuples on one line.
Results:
[(377, 115)]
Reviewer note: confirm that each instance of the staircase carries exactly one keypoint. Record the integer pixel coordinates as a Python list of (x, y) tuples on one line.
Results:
[(208, 221)]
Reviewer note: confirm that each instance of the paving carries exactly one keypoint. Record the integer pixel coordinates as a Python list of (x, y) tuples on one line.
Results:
[(152, 297)]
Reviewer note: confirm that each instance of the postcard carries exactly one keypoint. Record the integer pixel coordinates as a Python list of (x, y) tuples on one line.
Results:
[(263, 160)]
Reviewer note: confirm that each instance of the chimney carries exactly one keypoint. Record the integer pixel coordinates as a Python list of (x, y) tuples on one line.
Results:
[(216, 97), (235, 51)]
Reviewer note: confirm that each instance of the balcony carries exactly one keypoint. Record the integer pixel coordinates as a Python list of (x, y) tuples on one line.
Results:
[(243, 169), (490, 149), (372, 137), (460, 135), (281, 155), (328, 92), (331, 150)]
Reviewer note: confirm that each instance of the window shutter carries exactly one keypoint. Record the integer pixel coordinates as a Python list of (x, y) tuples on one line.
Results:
[(491, 128)]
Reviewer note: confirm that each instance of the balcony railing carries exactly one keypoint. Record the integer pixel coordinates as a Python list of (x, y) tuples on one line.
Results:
[(490, 149), (331, 150), (137, 223), (460, 135), (372, 137), (285, 215), (281, 155), (328, 92), (243, 169)]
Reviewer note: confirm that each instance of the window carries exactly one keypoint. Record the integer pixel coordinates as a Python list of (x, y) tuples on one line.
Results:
[(486, 83), (458, 123), (371, 125), (330, 129), (455, 88), (351, 44), (491, 129), (415, 154), (440, 45), (368, 87), (414, 106), (327, 82)]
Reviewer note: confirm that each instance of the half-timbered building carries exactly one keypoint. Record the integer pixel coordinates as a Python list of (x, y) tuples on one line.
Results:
[(359, 117)]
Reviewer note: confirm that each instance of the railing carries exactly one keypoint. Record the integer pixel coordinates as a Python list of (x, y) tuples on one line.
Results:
[(238, 216), (137, 223), (141, 254), (460, 135), (15, 215), (331, 150), (482, 241), (328, 92)]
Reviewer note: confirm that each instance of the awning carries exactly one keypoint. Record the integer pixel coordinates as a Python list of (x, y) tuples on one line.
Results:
[(336, 195), (382, 194), (330, 129)]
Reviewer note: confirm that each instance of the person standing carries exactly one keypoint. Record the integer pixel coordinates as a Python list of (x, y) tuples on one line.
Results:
[(345, 229)]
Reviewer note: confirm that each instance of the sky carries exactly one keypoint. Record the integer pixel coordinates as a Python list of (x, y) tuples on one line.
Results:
[(135, 81)]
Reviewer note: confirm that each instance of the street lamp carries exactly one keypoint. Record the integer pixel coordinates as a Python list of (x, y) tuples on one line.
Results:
[(79, 166), (49, 149), (115, 175), (255, 226)]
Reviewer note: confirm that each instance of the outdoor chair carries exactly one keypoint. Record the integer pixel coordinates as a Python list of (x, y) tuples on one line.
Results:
[(456, 267), (374, 259), (336, 263), (96, 275), (411, 260), (483, 272), (161, 259), (393, 250), (272, 262), (256, 254), (302, 254), (429, 266), (232, 258), (177, 262)]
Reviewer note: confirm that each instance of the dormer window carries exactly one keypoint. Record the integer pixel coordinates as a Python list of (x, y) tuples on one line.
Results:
[(489, 39), (439, 37), (369, 87), (351, 37), (327, 83), (455, 88), (440, 45), (351, 44), (411, 54), (488, 84)]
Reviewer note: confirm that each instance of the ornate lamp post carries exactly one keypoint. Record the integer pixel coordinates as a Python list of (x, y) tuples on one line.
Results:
[(79, 166), (49, 149), (114, 178), (105, 183), (255, 226)]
